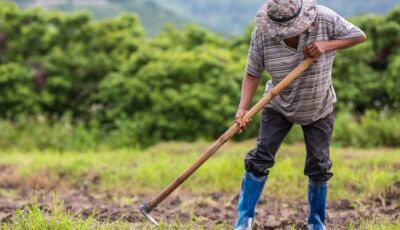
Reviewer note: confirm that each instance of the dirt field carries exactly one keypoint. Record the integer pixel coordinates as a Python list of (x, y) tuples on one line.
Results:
[(109, 186), (209, 209)]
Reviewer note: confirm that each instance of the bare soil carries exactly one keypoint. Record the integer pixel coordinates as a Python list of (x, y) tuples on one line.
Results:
[(210, 209)]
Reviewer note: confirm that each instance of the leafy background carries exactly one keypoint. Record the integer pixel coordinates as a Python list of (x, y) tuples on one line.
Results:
[(69, 82), (228, 17), (96, 107)]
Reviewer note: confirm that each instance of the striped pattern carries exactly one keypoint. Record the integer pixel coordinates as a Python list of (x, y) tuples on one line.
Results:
[(311, 96)]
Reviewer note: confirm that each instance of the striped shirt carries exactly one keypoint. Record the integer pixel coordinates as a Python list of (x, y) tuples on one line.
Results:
[(311, 96)]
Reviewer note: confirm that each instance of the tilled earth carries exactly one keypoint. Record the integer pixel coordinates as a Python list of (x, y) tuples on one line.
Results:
[(208, 209)]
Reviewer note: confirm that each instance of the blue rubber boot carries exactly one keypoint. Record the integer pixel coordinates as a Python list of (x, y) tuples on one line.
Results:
[(249, 195), (317, 193)]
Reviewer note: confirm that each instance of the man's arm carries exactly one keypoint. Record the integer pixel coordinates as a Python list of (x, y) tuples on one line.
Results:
[(315, 49), (249, 88)]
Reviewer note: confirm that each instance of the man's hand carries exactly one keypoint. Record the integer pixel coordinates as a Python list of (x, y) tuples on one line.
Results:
[(239, 119), (315, 49), (249, 88)]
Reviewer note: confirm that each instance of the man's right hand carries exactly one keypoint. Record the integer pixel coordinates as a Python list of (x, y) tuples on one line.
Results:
[(243, 124)]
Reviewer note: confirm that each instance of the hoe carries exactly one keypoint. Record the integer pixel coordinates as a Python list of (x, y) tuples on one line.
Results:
[(147, 208)]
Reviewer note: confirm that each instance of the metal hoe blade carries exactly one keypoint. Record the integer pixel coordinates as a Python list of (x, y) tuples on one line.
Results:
[(145, 210)]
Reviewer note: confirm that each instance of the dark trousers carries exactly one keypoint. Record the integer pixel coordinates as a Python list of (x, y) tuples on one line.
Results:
[(274, 128)]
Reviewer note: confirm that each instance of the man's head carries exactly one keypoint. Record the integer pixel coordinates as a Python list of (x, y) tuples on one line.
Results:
[(282, 19)]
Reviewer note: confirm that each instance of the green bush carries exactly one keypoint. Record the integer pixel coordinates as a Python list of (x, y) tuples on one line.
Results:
[(97, 79), (40, 133), (371, 130), (17, 93), (374, 129)]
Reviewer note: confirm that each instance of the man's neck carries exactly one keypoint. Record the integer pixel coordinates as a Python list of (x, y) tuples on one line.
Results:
[(292, 42)]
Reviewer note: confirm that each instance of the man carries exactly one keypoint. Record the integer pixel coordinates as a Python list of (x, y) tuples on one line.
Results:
[(286, 32)]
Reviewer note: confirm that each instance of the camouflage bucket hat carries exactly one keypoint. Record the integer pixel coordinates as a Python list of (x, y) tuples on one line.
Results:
[(282, 19)]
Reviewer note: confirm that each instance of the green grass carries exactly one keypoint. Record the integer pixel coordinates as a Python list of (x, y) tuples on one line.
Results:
[(33, 218), (378, 224), (359, 174)]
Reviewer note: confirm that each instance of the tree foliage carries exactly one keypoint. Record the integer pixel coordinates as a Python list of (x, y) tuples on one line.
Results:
[(180, 85), (227, 17)]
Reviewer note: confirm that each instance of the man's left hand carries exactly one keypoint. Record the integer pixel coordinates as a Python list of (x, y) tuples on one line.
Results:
[(315, 49)]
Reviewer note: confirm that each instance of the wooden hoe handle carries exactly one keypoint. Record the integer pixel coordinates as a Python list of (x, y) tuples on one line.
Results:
[(211, 150)]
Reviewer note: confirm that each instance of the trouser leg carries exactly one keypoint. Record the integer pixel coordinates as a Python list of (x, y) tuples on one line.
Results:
[(317, 137), (274, 127)]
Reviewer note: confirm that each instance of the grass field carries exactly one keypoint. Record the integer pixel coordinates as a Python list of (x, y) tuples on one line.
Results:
[(363, 178)]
